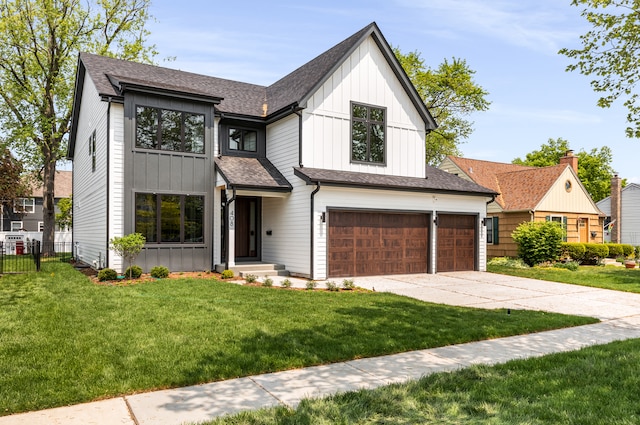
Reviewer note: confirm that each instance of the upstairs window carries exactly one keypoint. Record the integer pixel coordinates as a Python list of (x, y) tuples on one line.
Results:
[(169, 130), (243, 140), (25, 205), (367, 133)]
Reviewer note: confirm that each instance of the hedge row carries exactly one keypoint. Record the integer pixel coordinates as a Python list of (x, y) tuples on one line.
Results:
[(594, 252)]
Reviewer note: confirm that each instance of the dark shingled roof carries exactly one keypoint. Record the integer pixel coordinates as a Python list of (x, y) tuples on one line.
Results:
[(436, 181), (251, 173)]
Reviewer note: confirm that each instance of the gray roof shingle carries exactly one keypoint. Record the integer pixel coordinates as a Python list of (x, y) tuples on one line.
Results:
[(435, 181), (251, 173)]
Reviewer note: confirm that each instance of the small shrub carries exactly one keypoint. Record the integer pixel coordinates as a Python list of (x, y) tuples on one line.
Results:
[(311, 284), (286, 283), (594, 252), (250, 278), (227, 274), (133, 272), (515, 263), (268, 282), (538, 241), (573, 250), (332, 286), (637, 251), (348, 284), (107, 274), (615, 250), (159, 272), (569, 265), (627, 250)]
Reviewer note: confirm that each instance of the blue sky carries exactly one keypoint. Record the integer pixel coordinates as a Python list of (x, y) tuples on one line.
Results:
[(512, 46)]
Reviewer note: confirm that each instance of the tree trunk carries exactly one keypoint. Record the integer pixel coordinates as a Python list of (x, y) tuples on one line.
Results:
[(48, 204)]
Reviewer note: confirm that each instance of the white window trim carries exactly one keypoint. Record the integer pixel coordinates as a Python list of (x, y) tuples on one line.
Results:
[(41, 226), (23, 203), (13, 223)]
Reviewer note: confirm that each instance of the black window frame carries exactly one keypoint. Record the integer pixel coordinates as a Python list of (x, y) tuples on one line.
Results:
[(241, 144), (159, 143), (157, 232), (368, 123)]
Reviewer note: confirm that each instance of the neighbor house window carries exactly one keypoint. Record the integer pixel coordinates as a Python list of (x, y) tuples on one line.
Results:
[(41, 226), (169, 130), (16, 226), (243, 140), (492, 230), (367, 133), (170, 218), (562, 219), (25, 205)]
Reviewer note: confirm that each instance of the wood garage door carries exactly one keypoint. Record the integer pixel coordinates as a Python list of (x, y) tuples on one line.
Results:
[(456, 243), (376, 243)]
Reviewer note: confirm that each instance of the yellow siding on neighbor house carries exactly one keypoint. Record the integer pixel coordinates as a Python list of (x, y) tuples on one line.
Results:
[(575, 200), (573, 232), (507, 223)]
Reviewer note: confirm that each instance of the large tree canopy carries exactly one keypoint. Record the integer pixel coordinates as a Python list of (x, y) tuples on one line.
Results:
[(451, 95), (39, 45), (611, 54), (594, 167)]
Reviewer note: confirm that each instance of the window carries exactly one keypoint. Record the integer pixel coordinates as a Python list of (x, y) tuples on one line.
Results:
[(170, 218), (92, 150), (169, 130), (562, 219), (16, 226), (41, 226), (367, 133), (243, 140), (25, 205), (492, 230)]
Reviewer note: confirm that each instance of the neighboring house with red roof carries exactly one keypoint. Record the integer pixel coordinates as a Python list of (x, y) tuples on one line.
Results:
[(531, 194), (322, 173), (26, 215)]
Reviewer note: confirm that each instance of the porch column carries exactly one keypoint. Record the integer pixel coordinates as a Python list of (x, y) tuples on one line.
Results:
[(231, 242)]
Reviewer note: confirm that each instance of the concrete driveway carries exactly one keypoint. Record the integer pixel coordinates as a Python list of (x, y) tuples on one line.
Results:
[(489, 290)]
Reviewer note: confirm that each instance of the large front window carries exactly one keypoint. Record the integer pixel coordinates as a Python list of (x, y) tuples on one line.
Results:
[(170, 130), (367, 133), (170, 218)]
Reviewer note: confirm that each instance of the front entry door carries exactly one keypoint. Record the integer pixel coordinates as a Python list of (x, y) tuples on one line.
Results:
[(247, 228)]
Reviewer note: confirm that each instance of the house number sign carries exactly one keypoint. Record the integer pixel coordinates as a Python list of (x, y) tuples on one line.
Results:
[(232, 220)]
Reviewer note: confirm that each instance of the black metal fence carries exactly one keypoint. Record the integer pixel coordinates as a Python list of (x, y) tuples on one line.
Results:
[(22, 257)]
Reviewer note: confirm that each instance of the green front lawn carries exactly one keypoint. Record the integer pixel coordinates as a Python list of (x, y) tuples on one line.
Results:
[(610, 277), (596, 385), (65, 340)]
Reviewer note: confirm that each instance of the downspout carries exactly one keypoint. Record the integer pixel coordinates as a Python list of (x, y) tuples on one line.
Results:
[(299, 114), (312, 238), (106, 256), (226, 229)]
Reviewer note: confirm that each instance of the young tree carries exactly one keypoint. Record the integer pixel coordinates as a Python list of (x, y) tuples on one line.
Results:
[(12, 183), (128, 247), (594, 167), (64, 219), (451, 95), (39, 44), (609, 53)]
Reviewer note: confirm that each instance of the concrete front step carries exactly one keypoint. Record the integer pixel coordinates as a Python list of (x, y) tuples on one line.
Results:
[(256, 269)]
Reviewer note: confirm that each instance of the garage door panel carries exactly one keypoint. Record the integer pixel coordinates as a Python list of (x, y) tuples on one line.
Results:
[(382, 243), (456, 242)]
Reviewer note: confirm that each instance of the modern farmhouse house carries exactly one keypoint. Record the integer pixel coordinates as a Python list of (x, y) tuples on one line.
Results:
[(322, 172)]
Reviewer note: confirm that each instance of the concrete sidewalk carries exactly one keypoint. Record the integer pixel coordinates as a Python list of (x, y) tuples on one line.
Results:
[(619, 312)]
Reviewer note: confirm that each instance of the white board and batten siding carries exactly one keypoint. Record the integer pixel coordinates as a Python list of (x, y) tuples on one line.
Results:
[(90, 187), (286, 217), (364, 77), (390, 201)]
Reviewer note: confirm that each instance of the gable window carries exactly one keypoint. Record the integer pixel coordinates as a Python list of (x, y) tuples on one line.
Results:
[(170, 218), (492, 230), (368, 133), (169, 130), (243, 140), (25, 205)]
